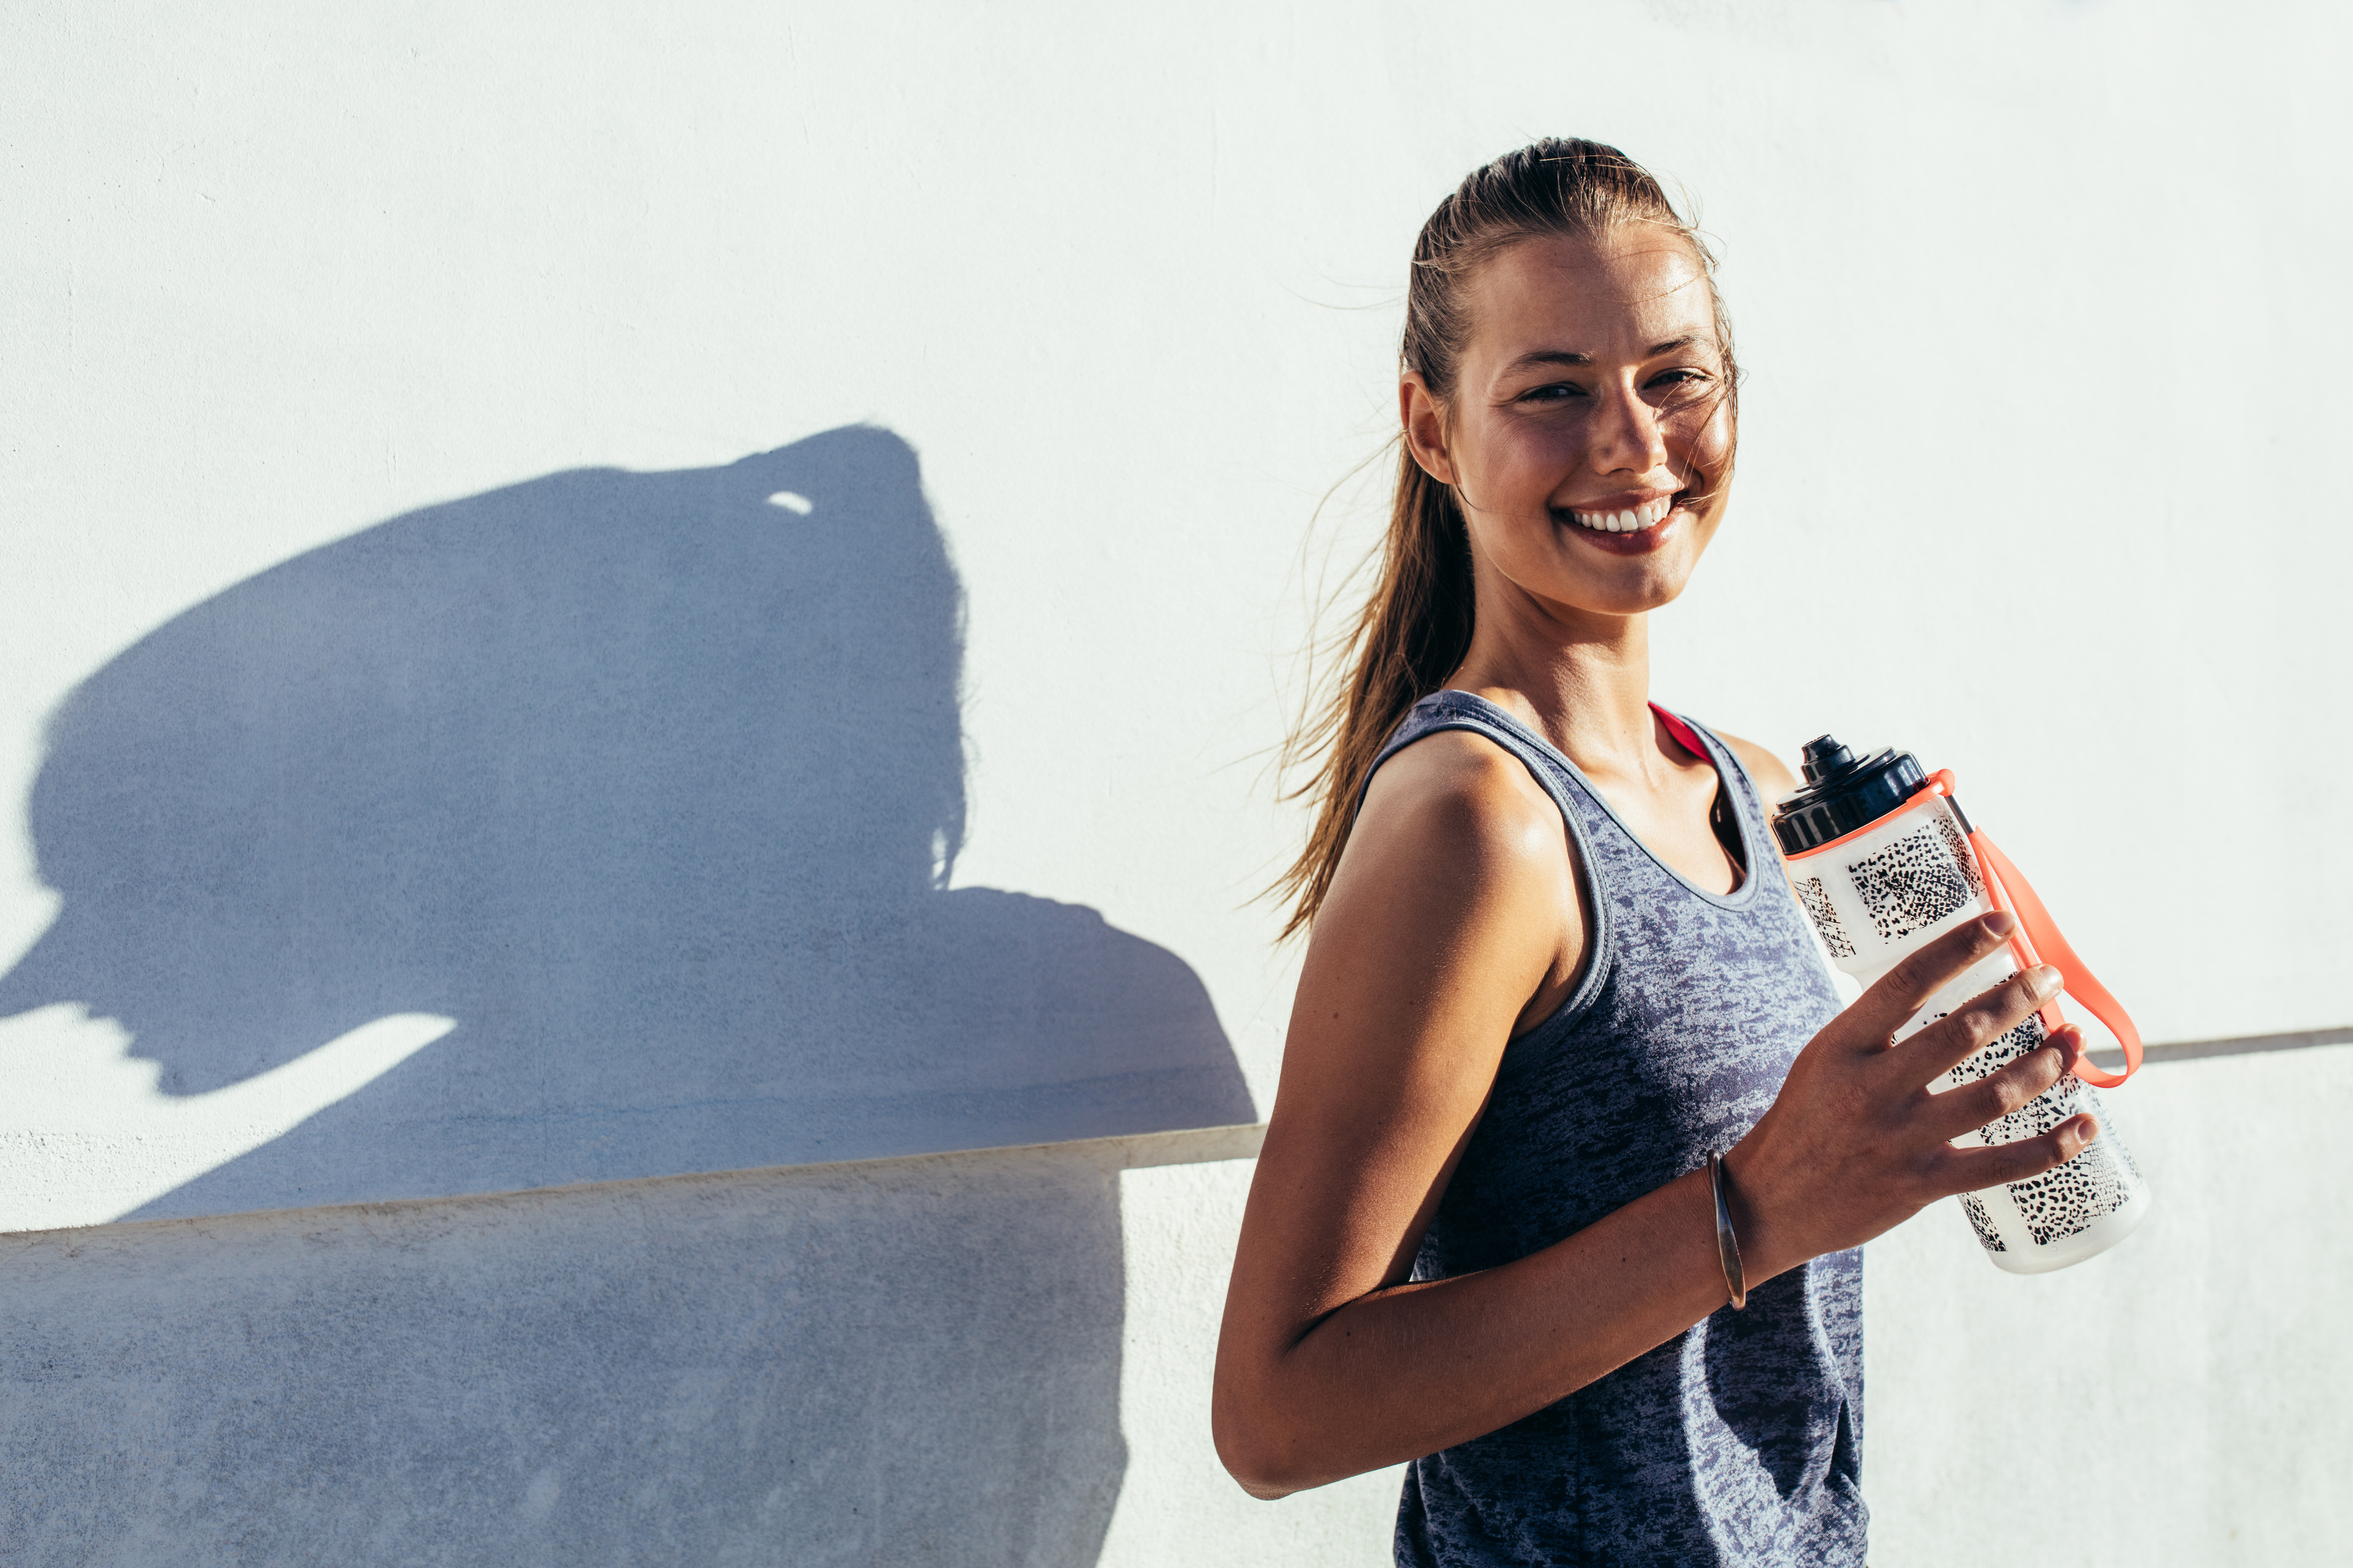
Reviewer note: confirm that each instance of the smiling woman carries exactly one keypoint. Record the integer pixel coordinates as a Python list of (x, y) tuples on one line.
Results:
[(1572, 1149)]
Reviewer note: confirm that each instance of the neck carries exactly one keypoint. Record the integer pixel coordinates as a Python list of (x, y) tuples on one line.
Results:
[(1582, 680)]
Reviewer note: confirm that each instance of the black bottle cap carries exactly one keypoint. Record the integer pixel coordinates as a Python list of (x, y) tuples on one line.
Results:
[(1843, 792)]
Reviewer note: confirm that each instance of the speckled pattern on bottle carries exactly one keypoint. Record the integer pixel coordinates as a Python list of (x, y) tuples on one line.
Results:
[(1738, 1441)]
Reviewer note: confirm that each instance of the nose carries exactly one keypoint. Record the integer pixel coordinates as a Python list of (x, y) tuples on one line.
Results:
[(1626, 435)]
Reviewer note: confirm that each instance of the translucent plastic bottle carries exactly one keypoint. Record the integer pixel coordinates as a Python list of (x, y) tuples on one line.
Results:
[(1885, 861)]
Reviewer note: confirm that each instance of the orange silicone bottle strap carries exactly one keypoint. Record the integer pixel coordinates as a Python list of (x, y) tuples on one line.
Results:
[(2039, 940), (2081, 984)]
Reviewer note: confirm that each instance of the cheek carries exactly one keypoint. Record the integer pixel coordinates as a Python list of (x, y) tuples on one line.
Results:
[(1705, 441), (1518, 464)]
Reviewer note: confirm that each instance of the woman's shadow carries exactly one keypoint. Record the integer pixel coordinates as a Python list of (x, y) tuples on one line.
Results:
[(650, 782)]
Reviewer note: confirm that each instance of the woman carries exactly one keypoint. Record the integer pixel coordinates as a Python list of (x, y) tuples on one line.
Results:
[(1554, 966)]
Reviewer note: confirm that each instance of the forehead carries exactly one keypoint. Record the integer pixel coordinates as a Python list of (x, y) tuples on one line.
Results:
[(1610, 298)]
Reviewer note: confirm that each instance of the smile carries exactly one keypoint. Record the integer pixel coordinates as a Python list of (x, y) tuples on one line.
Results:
[(1632, 520)]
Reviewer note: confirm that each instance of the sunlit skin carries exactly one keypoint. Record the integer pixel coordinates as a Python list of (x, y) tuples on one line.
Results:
[(1528, 440), (1591, 383), (1530, 437)]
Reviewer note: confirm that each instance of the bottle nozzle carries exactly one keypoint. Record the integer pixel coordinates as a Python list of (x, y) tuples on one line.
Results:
[(1824, 756)]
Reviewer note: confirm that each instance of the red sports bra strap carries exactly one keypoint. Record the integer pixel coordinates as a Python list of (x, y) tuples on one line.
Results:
[(1684, 735)]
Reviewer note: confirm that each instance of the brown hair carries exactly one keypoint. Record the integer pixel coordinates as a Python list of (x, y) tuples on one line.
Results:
[(1414, 628)]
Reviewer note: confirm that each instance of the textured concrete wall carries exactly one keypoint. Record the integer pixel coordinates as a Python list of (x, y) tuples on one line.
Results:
[(1004, 1357), (596, 594), (902, 1361), (2177, 1400)]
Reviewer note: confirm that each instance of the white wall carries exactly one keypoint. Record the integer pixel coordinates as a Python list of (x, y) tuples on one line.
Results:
[(2039, 307)]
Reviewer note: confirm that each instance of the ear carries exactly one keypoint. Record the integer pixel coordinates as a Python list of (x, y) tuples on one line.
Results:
[(1424, 427)]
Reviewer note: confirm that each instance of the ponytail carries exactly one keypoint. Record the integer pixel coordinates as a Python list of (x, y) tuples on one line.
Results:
[(1412, 634)]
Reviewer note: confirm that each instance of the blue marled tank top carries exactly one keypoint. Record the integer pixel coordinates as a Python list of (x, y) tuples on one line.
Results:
[(1739, 1440)]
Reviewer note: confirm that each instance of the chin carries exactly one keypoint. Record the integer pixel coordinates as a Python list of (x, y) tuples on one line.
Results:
[(1630, 586), (1626, 575), (1642, 601)]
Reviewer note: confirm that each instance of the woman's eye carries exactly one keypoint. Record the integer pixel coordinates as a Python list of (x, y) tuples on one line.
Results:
[(1557, 392), (1682, 387)]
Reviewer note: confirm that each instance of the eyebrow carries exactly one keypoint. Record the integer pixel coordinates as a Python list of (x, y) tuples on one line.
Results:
[(1535, 357)]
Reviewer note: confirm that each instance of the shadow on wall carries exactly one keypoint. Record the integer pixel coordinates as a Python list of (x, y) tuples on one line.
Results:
[(650, 782)]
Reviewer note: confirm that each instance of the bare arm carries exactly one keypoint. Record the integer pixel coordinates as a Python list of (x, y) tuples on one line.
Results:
[(1453, 924)]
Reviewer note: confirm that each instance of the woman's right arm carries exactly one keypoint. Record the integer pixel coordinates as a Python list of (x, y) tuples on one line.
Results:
[(1453, 923)]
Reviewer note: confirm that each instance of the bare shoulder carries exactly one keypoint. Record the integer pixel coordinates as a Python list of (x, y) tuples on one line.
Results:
[(1451, 920), (1772, 775), (1457, 849), (1465, 792)]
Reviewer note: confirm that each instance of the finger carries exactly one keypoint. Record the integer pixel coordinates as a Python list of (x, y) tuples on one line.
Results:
[(2069, 1041), (2020, 1084), (1974, 1170), (1904, 989), (1977, 1024)]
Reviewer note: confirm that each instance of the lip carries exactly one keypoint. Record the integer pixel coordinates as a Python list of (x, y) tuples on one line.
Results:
[(1641, 542)]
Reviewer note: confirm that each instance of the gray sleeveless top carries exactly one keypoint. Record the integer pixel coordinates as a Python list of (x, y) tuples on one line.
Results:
[(1738, 1441)]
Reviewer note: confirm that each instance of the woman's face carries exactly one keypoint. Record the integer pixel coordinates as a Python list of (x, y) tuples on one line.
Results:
[(1588, 423)]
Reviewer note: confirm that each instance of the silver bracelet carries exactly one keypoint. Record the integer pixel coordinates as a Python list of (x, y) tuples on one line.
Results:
[(1727, 1245)]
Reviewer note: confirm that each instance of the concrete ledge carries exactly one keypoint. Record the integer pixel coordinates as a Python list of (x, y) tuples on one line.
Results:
[(1129, 1152), (2190, 1050)]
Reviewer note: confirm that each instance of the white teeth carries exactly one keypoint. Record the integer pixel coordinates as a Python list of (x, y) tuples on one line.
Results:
[(1632, 520)]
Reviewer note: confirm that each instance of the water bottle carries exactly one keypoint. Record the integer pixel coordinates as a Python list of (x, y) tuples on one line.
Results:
[(1884, 860)]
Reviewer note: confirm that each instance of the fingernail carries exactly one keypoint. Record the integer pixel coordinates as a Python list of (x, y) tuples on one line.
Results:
[(2001, 922), (2069, 1041), (2043, 981)]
